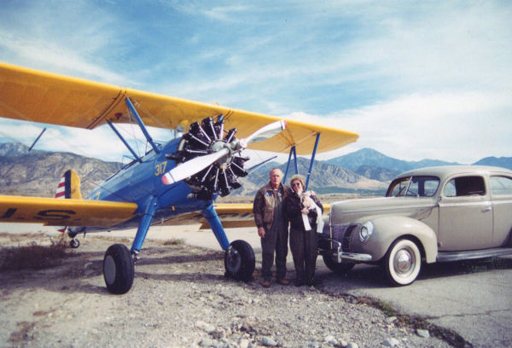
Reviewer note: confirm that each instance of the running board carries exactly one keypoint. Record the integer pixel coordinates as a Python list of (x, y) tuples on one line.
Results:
[(448, 256)]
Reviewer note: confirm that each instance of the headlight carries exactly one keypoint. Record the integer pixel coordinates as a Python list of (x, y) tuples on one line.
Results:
[(366, 232)]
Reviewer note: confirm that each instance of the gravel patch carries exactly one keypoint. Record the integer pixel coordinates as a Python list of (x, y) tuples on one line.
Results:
[(181, 298)]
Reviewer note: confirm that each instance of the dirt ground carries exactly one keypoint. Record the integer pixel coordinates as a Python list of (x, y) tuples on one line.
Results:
[(180, 298)]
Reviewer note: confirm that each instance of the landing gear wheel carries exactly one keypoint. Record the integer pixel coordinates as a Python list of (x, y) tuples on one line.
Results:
[(239, 260), (118, 269), (338, 268), (75, 243), (402, 262)]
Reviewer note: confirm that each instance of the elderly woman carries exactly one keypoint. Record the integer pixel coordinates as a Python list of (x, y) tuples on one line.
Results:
[(304, 211)]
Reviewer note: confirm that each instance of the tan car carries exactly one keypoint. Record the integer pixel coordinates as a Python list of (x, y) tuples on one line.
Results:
[(429, 215)]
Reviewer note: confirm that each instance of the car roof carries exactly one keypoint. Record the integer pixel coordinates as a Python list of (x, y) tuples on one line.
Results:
[(443, 171)]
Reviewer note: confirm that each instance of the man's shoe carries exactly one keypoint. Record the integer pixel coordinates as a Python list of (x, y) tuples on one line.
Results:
[(283, 281), (266, 284)]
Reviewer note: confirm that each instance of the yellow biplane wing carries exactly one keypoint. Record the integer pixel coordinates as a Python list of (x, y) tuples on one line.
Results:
[(32, 95), (240, 215), (37, 96), (64, 212)]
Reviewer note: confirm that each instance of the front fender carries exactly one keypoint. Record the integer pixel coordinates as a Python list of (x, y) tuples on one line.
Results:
[(387, 229)]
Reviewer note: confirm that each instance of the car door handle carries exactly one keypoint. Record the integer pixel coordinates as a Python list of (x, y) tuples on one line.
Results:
[(486, 209)]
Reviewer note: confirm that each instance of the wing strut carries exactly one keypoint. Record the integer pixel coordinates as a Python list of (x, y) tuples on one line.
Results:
[(143, 128), (312, 160), (293, 152), (124, 141), (37, 139)]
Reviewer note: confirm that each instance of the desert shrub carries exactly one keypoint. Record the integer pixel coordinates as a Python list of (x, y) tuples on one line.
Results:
[(174, 241), (33, 256)]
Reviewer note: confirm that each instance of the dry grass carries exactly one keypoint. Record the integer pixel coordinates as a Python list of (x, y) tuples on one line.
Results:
[(175, 241), (33, 256)]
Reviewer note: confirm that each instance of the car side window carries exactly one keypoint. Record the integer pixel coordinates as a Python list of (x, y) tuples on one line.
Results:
[(465, 186), (500, 185), (398, 187)]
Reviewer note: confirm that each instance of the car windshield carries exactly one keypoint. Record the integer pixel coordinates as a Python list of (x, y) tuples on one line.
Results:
[(413, 186)]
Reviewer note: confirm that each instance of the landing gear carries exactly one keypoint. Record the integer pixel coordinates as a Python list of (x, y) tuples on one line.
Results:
[(118, 269), (75, 243), (239, 260)]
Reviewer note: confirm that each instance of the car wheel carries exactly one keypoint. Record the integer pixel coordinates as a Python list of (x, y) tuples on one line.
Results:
[(402, 262), (118, 269), (339, 268), (239, 260)]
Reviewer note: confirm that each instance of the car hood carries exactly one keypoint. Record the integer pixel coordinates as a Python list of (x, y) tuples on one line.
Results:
[(352, 210)]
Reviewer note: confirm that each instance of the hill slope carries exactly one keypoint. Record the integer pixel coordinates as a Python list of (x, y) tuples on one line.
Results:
[(38, 173)]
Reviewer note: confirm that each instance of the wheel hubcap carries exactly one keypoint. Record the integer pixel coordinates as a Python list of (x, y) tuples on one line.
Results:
[(403, 262), (234, 260), (109, 270)]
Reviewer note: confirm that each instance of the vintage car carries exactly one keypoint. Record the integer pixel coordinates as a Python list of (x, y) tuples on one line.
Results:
[(429, 215)]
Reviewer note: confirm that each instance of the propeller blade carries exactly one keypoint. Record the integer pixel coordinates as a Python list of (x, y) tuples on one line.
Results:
[(191, 167), (208, 130), (266, 132)]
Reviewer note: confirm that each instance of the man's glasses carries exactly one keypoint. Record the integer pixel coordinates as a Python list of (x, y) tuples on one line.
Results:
[(298, 184)]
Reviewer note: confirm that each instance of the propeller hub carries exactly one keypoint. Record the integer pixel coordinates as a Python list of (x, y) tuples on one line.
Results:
[(208, 158), (217, 146)]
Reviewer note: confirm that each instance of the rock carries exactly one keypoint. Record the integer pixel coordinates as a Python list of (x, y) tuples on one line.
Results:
[(206, 342), (390, 320), (391, 342), (352, 345), (330, 339), (423, 333), (205, 326), (268, 342)]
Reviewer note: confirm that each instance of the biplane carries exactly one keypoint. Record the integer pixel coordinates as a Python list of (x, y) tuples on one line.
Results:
[(182, 176)]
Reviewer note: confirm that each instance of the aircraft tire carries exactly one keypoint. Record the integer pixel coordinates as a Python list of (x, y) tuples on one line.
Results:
[(75, 243), (239, 260), (118, 269)]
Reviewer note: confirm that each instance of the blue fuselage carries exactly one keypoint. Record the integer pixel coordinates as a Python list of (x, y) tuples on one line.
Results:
[(141, 182)]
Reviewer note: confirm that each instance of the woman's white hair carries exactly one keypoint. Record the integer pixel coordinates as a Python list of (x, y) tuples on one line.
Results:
[(298, 177)]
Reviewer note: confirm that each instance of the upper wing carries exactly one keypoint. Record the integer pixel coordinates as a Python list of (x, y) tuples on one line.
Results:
[(64, 212), (32, 95)]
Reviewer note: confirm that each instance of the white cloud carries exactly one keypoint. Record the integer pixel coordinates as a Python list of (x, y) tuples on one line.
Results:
[(450, 127), (386, 70)]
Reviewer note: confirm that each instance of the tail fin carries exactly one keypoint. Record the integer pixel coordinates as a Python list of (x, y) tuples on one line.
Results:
[(69, 186)]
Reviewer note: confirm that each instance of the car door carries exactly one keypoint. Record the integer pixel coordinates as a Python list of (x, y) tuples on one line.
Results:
[(465, 215), (501, 191)]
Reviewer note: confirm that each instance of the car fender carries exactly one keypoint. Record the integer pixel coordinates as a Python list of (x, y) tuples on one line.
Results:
[(387, 229)]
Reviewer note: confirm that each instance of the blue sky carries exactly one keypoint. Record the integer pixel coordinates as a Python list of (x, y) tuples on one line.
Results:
[(429, 79)]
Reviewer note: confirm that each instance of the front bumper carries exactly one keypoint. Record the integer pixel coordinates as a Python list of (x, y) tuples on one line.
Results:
[(333, 247)]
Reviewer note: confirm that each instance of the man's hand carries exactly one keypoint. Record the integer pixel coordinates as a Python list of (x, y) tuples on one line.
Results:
[(261, 232)]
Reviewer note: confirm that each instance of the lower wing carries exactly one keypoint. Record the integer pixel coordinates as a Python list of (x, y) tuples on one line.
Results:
[(240, 215), (64, 212)]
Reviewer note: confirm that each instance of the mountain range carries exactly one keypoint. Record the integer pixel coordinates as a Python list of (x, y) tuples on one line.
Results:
[(364, 172)]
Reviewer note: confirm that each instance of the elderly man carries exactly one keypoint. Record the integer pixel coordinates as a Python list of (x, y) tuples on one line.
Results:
[(272, 226)]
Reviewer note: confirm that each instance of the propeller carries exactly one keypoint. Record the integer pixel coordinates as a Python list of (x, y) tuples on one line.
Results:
[(210, 162)]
